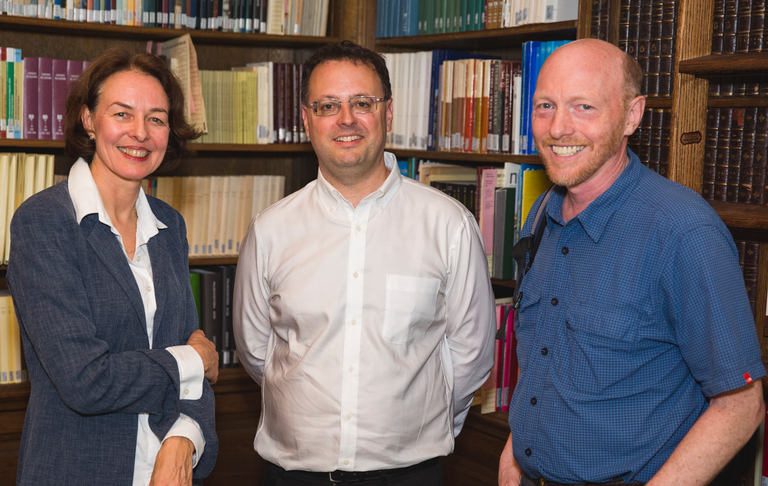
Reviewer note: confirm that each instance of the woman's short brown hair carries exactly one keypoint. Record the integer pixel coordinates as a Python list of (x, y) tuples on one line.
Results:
[(87, 90)]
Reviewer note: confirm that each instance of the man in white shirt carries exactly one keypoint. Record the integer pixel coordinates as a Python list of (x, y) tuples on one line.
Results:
[(363, 306)]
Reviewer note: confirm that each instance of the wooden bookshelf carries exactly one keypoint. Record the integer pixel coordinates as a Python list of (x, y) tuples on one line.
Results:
[(710, 65), (468, 158)]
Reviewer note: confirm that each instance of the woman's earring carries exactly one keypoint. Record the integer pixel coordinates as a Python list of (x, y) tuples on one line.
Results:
[(91, 136)]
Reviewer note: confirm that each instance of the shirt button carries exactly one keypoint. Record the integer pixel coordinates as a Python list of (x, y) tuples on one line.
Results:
[(349, 416), (544, 351), (354, 274), (346, 463), (528, 452), (186, 391), (354, 321), (138, 258), (564, 250), (330, 209), (381, 208), (149, 289), (351, 368), (554, 301), (533, 401), (358, 228)]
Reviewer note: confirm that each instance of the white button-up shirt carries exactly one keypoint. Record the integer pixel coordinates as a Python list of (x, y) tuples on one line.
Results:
[(368, 328), (87, 200)]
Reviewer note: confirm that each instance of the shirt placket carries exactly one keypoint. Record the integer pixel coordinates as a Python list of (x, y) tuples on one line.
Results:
[(353, 323)]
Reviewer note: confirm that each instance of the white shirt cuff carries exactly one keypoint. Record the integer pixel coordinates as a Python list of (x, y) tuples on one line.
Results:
[(189, 428), (191, 371)]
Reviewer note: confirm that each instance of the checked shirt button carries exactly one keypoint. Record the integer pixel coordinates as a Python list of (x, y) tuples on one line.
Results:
[(554, 301), (533, 401), (528, 452), (564, 250), (544, 351)]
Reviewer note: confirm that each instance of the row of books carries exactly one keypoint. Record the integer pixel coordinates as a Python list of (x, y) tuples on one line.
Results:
[(749, 255), (651, 139), (256, 104), (21, 175), (600, 19), (647, 33), (12, 365), (495, 393), (455, 101), (11, 92), (213, 289), (735, 150), (398, 18), (277, 17), (45, 95), (744, 85), (217, 209), (738, 26)]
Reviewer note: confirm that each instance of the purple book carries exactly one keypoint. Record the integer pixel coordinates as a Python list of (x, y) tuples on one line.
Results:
[(58, 108), (74, 68), (30, 98), (44, 98)]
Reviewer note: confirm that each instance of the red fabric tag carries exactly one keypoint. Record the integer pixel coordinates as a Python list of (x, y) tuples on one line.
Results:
[(747, 378)]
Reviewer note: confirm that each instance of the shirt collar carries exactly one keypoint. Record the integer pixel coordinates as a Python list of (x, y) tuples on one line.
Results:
[(331, 198), (595, 217), (87, 200)]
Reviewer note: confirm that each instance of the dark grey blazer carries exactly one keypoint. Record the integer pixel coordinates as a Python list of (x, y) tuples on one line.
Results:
[(85, 341)]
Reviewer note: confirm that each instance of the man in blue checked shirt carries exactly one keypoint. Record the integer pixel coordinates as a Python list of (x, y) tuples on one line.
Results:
[(639, 360)]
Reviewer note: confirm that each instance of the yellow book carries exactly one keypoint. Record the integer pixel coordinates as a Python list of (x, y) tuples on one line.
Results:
[(10, 192), (17, 362), (5, 344), (535, 182)]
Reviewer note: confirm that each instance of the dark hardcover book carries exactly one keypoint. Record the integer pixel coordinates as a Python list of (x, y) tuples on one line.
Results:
[(194, 282), (210, 305), (666, 57), (654, 54), (288, 100), (757, 26), (504, 233), (165, 11), (227, 293), (743, 25), (59, 98), (45, 98), (714, 86), (256, 28), (494, 105), (717, 27), (654, 152), (594, 24), (295, 103), (644, 43), (752, 85), (740, 85), (666, 134), (734, 154), (747, 155), (644, 141), (605, 18), (723, 154), (263, 16), (30, 98), (508, 72), (279, 96), (726, 85), (624, 24), (710, 154), (761, 152), (634, 28), (302, 133), (751, 258), (730, 21)]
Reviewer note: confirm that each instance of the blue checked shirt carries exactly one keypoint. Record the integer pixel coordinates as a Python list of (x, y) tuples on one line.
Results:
[(633, 313)]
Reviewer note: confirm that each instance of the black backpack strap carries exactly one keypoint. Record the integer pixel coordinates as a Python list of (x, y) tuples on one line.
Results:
[(525, 249)]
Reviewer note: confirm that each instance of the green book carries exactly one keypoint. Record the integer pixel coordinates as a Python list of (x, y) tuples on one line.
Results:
[(194, 281), (9, 69)]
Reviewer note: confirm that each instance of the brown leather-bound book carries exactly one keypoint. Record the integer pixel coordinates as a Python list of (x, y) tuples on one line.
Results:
[(726, 85), (634, 27), (714, 86), (288, 100), (740, 85), (734, 154), (763, 85), (644, 137), (654, 152), (280, 102), (743, 25), (666, 134), (757, 26), (295, 104), (644, 43), (730, 21), (710, 154), (654, 54), (623, 24), (761, 153), (717, 27), (747, 155), (667, 54), (594, 27), (605, 19), (723, 151), (751, 258)]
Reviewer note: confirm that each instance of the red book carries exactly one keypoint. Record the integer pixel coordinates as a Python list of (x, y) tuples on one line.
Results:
[(45, 98), (58, 108), (30, 98)]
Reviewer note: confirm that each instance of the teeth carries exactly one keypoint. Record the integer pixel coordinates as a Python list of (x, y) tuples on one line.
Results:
[(348, 139), (566, 151), (134, 153)]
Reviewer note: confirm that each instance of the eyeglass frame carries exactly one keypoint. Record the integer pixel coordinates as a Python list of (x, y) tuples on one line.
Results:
[(375, 103)]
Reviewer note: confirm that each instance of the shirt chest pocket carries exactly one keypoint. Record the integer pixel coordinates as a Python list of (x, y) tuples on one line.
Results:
[(410, 308)]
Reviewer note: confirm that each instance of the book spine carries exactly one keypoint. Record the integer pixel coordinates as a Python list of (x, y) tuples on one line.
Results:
[(624, 25), (654, 153), (743, 25), (295, 102), (730, 21), (666, 134), (288, 100), (761, 153), (734, 154), (30, 97), (747, 155), (757, 26), (59, 98), (644, 43), (718, 27), (751, 258), (654, 54), (667, 53), (710, 154), (633, 36), (45, 98), (723, 153), (644, 143)]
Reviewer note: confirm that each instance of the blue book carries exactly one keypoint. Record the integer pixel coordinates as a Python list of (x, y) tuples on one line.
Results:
[(411, 17), (394, 18), (403, 166), (528, 52), (380, 17)]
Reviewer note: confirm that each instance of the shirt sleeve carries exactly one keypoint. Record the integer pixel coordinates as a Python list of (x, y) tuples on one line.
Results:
[(251, 324), (191, 371), (189, 428), (470, 325)]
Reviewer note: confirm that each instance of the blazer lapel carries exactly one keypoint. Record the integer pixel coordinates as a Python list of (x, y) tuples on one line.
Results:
[(161, 268), (106, 246)]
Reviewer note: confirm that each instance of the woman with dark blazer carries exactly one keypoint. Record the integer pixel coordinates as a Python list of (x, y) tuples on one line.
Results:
[(98, 272)]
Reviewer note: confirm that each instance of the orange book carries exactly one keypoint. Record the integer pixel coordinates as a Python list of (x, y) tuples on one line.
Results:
[(469, 106), (446, 92), (131, 10)]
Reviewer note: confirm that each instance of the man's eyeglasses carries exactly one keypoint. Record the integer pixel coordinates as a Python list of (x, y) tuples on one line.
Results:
[(358, 104)]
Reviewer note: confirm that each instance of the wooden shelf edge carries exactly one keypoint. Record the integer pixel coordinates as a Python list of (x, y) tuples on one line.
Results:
[(466, 157), (195, 261), (743, 219), (736, 101), (504, 283), (65, 27), (511, 35), (725, 64)]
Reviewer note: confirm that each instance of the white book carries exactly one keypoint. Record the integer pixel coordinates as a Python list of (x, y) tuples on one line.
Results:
[(28, 179), (413, 82), (187, 209), (222, 220), (426, 99), (516, 113), (404, 76), (559, 10), (275, 18), (205, 237), (214, 215), (511, 174), (231, 214), (389, 59), (264, 193)]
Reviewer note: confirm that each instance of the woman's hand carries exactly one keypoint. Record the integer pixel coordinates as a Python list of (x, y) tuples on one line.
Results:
[(207, 351), (173, 465)]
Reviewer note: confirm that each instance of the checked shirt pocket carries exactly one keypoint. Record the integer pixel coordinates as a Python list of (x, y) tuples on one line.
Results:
[(410, 308)]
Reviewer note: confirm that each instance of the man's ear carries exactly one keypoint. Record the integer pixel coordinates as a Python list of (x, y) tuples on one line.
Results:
[(634, 115)]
